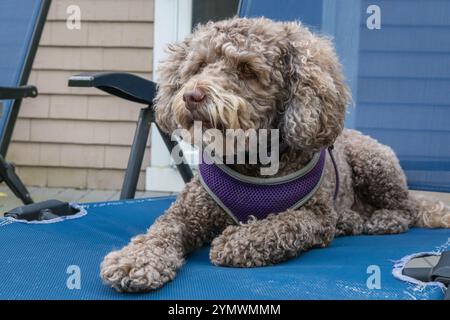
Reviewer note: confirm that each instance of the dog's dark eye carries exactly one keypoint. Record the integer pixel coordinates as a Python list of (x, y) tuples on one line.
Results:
[(199, 67), (246, 71)]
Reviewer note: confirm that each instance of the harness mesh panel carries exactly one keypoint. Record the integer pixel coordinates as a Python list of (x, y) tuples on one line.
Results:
[(243, 199)]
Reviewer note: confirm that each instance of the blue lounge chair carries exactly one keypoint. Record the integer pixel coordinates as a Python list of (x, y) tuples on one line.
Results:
[(19, 40), (41, 258)]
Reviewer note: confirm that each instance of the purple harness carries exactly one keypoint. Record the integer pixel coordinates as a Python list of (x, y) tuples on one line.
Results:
[(243, 196)]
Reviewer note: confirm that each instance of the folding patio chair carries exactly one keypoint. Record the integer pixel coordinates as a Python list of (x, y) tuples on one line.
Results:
[(40, 264), (21, 23)]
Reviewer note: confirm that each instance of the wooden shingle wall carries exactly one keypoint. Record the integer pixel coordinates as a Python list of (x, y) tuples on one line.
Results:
[(79, 137)]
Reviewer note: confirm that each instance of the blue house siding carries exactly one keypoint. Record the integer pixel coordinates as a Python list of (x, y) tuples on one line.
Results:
[(399, 75), (309, 12), (403, 97)]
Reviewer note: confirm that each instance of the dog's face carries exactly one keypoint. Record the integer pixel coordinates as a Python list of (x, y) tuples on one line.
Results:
[(254, 74)]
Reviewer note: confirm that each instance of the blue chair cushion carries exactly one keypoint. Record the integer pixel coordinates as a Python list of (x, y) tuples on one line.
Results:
[(35, 259)]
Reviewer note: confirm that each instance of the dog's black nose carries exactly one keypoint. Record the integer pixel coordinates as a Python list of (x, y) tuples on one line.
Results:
[(193, 98)]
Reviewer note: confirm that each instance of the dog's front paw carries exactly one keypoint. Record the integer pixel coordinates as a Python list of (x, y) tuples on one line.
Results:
[(136, 269), (234, 248)]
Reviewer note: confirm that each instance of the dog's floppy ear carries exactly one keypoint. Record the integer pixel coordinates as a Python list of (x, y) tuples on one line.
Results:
[(169, 83), (314, 110)]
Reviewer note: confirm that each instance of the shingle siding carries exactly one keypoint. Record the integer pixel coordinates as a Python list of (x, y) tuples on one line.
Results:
[(78, 137)]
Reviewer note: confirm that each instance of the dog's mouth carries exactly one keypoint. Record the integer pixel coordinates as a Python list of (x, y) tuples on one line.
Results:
[(195, 116), (215, 108)]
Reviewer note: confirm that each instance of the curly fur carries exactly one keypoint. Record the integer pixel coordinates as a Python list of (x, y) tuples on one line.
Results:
[(257, 73)]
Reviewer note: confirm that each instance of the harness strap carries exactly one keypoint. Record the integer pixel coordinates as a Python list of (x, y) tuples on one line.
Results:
[(333, 160)]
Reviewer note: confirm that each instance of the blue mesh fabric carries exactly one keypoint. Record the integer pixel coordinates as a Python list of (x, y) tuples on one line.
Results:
[(34, 261), (243, 199)]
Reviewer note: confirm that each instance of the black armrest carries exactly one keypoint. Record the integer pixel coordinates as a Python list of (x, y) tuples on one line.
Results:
[(123, 85), (14, 93)]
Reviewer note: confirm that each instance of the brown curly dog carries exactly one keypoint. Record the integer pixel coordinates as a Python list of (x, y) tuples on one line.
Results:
[(256, 73)]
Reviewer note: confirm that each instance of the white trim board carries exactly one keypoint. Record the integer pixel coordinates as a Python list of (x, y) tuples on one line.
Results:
[(172, 23)]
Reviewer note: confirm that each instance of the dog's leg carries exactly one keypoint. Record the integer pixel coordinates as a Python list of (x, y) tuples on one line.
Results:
[(349, 223), (384, 221), (274, 239), (152, 259), (380, 182)]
